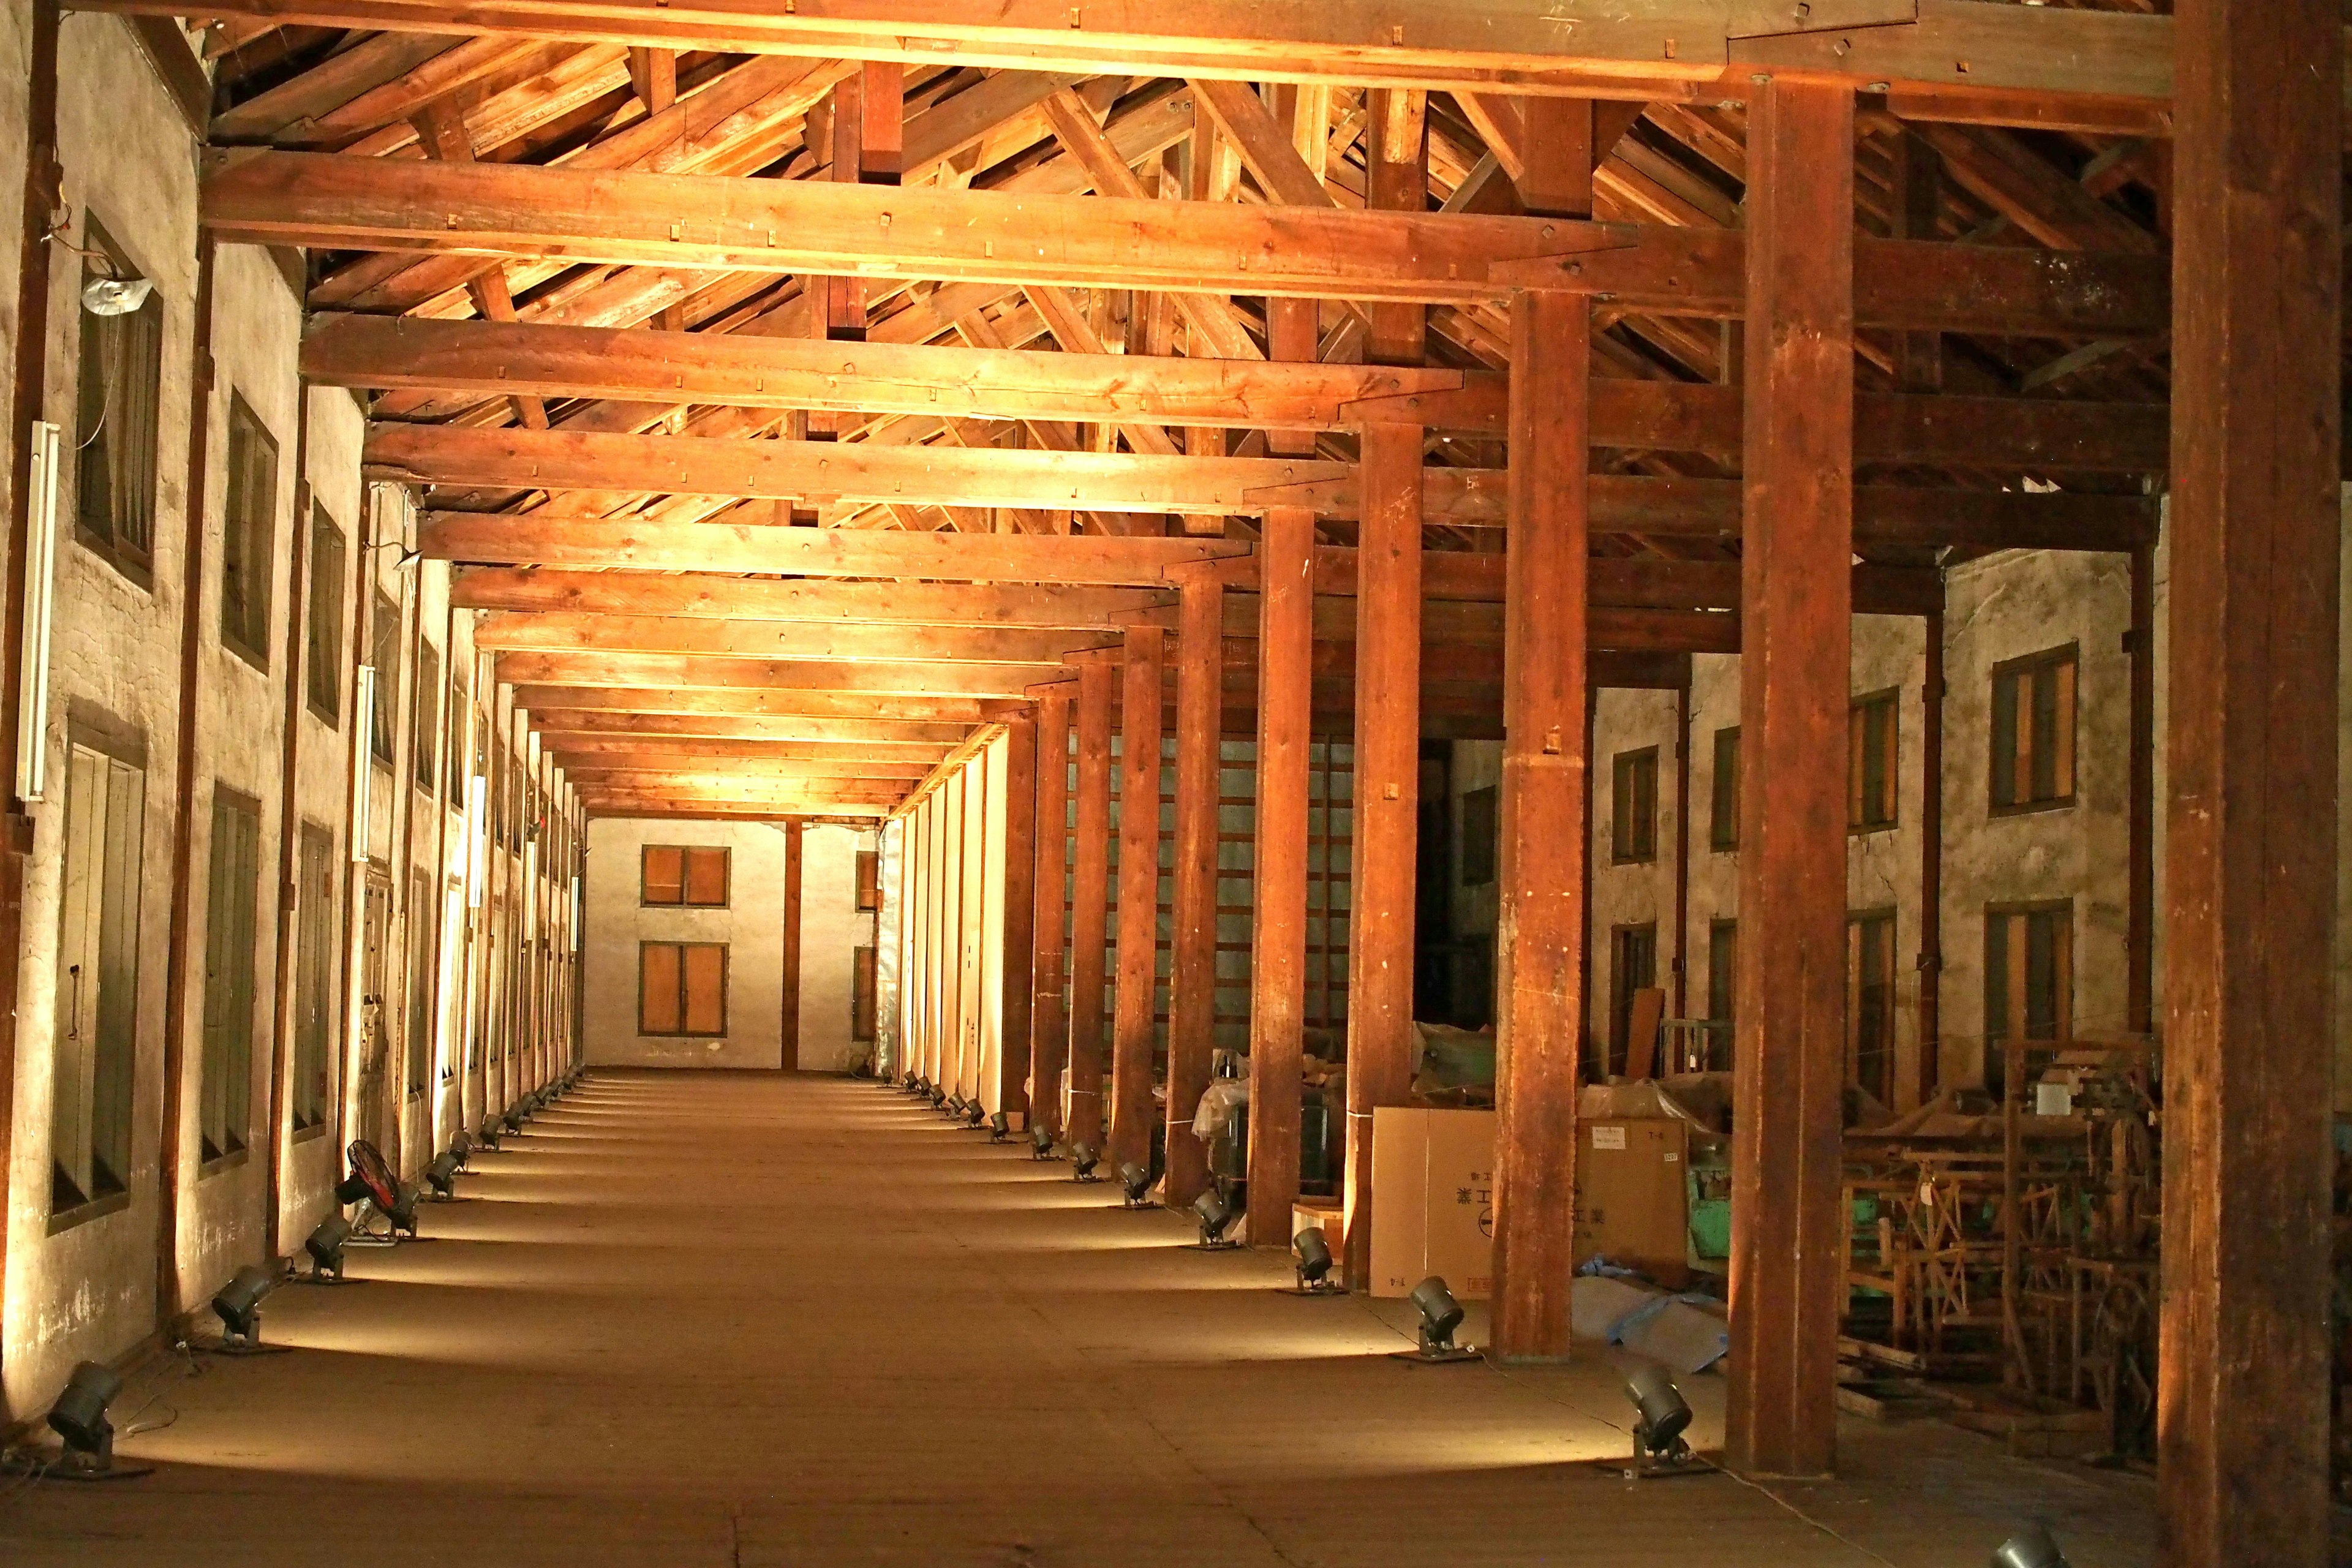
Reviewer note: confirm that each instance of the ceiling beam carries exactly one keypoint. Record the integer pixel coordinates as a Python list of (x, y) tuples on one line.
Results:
[(846, 642), (634, 364), (495, 539), (974, 604), (881, 713), (689, 672), (1943, 58), (823, 227), (816, 736), (574, 747)]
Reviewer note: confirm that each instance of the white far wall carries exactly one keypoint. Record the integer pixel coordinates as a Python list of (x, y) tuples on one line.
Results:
[(752, 925), (832, 930)]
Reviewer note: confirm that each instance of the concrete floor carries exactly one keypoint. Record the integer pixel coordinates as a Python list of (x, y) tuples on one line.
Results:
[(749, 1321)]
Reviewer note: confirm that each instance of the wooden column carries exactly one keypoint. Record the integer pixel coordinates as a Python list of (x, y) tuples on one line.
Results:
[(1193, 968), (1930, 1066), (1134, 1036), (943, 946), (1019, 893), (914, 975), (1539, 925), (2139, 866), (1380, 1040), (1089, 905), (1796, 598), (1278, 858), (794, 834), (2242, 1379), (1049, 1039)]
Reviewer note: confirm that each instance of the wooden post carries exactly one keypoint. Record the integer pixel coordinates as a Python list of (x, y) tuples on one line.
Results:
[(1387, 822), (913, 971), (1018, 995), (1278, 857), (2242, 1378), (1192, 967), (1797, 632), (1930, 1068), (1539, 925), (1049, 1039), (2139, 865), (1134, 1035), (1089, 905), (790, 1054)]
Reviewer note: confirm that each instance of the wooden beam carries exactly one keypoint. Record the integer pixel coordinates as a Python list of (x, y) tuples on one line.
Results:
[(1788, 1287), (738, 370), (860, 733), (692, 672), (1049, 1041), (1015, 994), (845, 642), (1192, 960), (1382, 1048), (2250, 1034), (425, 353), (511, 459), (978, 606), (779, 226), (617, 768), (1134, 1034), (2059, 68), (1544, 880), (1090, 907), (574, 747), (880, 714), (496, 539)]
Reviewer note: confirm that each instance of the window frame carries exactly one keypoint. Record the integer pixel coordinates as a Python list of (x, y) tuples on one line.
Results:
[(1723, 804), (2021, 669), (1626, 771), (318, 937), (383, 639), (1888, 702), (132, 559), (686, 852), (2063, 968), (253, 527), (223, 1142), (323, 665), (424, 736), (1858, 925), (726, 977), (1482, 823)]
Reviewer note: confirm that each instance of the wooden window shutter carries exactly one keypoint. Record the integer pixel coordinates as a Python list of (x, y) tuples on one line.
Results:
[(657, 988), (869, 881), (706, 877), (706, 989), (861, 995), (665, 874)]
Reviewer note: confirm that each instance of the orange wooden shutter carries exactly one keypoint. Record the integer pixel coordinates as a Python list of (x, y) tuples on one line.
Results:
[(706, 877), (665, 874), (657, 988), (706, 989)]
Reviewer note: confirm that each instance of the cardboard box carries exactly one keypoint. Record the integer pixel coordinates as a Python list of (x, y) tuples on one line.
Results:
[(1433, 1200), (1631, 1202)]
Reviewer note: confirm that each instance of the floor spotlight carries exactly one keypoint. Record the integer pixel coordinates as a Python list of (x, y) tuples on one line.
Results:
[(1134, 1180), (1658, 1447), (325, 1245), (515, 1117), (1041, 1142), (974, 1115), (2033, 1547), (79, 1418), (1441, 1314), (1083, 1161), (403, 1212), (442, 1174), (999, 1128), (938, 1096), (239, 1304), (1217, 1214), (1310, 1260), (462, 1145), (487, 1135), (352, 1189), (952, 1106)]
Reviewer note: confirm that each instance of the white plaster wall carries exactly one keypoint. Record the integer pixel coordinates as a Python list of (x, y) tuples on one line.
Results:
[(832, 929), (889, 956), (753, 925), (239, 746), (1635, 893), (89, 1291)]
